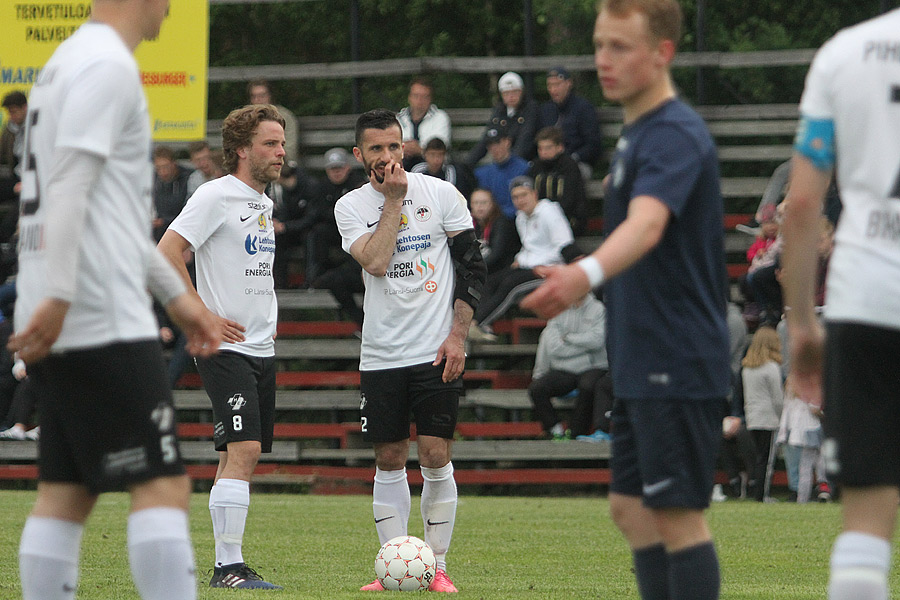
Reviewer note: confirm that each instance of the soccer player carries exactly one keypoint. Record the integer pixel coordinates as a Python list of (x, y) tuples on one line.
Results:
[(84, 322), (423, 273), (850, 115), (663, 267), (228, 223)]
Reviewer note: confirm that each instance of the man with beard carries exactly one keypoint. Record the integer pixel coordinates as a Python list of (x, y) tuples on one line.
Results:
[(423, 274), (228, 223)]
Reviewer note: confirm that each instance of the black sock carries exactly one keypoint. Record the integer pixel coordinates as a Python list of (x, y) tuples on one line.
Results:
[(651, 569), (694, 573)]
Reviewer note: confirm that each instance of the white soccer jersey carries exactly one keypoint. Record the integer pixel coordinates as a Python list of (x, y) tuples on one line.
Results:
[(855, 82), (409, 311), (229, 225), (89, 97)]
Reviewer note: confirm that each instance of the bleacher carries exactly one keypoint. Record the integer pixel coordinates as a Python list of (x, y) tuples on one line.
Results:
[(317, 434)]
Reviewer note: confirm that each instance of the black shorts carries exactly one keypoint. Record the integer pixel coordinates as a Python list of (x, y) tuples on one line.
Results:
[(106, 415), (242, 391), (862, 405), (665, 450), (389, 396)]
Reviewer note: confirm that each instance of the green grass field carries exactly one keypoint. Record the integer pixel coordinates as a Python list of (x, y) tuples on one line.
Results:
[(503, 547)]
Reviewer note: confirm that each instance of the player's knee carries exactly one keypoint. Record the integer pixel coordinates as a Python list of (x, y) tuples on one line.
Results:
[(243, 456), (174, 491), (392, 456)]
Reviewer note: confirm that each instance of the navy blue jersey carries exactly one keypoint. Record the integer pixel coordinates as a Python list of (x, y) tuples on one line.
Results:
[(667, 334)]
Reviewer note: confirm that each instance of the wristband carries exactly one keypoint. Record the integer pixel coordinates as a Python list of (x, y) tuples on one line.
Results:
[(592, 269)]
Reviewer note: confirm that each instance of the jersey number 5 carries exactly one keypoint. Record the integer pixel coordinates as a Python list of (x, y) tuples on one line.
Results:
[(29, 199)]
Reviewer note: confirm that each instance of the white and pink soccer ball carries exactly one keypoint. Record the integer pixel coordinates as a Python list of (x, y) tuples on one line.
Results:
[(405, 564)]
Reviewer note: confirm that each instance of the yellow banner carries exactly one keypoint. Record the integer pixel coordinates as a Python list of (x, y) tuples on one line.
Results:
[(173, 67)]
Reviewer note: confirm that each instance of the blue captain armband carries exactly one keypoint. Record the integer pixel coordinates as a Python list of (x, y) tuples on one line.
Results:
[(815, 141)]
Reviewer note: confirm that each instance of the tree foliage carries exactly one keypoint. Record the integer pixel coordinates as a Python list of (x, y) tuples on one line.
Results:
[(318, 31)]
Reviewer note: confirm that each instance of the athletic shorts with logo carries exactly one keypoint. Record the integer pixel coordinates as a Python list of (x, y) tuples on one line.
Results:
[(389, 396), (242, 391), (107, 417), (862, 404), (665, 450)]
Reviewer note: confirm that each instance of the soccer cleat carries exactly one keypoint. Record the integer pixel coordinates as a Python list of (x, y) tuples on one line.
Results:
[(596, 437), (13, 433), (34, 434), (375, 586), (240, 576), (824, 492), (442, 583)]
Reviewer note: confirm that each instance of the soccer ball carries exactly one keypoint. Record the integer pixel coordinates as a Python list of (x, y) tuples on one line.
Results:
[(405, 564)]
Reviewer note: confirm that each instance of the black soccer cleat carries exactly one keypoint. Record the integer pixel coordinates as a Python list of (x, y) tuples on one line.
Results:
[(239, 576)]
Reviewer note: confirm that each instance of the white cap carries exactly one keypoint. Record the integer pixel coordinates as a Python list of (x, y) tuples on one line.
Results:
[(510, 81)]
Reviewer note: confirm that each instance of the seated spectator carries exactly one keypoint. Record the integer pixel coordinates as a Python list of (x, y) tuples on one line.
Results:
[(517, 113), (437, 165), (292, 217), (323, 244), (205, 168), (571, 356), (421, 121), (760, 286), (545, 235), (575, 116), (558, 178), (260, 92), (170, 189), (497, 234), (12, 141), (504, 167)]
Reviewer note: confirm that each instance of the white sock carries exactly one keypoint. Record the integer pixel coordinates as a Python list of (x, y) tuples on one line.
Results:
[(48, 558), (390, 503), (161, 555), (229, 503), (859, 567), (439, 499)]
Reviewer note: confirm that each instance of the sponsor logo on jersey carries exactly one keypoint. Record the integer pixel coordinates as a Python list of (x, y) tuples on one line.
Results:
[(262, 221), (424, 266), (423, 213), (404, 223), (254, 244), (245, 218), (414, 243), (256, 206), (430, 286), (237, 402)]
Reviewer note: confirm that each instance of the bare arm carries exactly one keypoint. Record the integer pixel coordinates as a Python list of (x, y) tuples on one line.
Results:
[(799, 268), (634, 238), (374, 251), (453, 349)]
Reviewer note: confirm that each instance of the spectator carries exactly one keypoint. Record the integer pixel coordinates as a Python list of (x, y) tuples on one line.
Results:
[(323, 244), (170, 189), (205, 169), (260, 92), (292, 217), (504, 167), (421, 122), (571, 356), (437, 165), (21, 412), (545, 234), (800, 433), (575, 116), (558, 178), (498, 235), (517, 113), (12, 139), (763, 399)]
